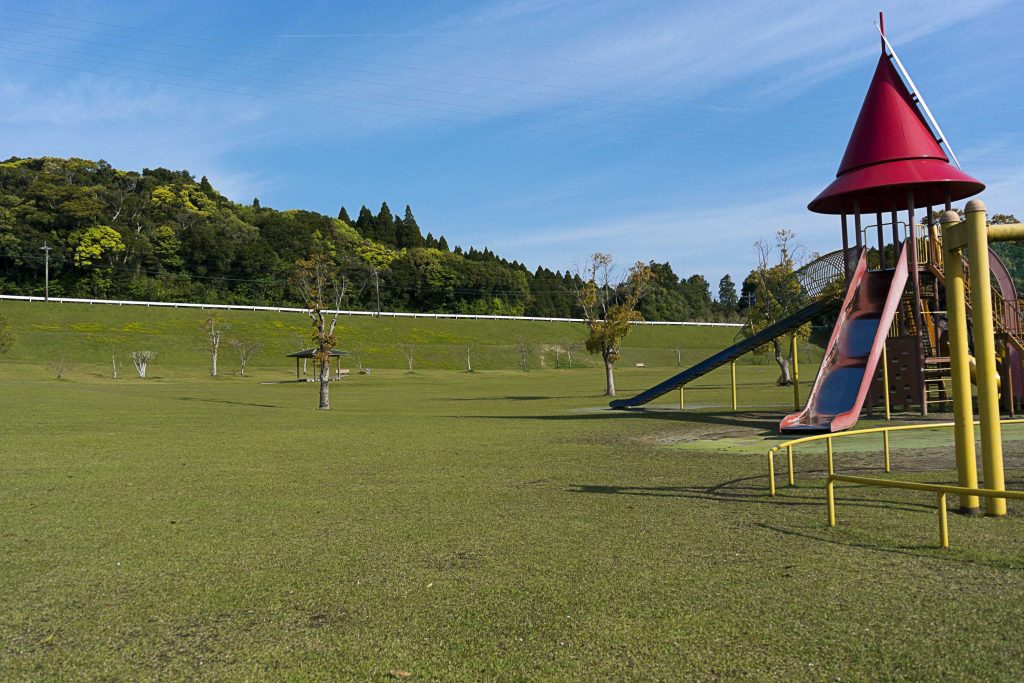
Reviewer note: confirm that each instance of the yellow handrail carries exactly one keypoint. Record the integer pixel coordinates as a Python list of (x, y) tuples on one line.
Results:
[(827, 437), (941, 490)]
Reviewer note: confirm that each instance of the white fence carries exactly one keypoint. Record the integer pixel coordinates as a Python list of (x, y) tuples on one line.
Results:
[(382, 314)]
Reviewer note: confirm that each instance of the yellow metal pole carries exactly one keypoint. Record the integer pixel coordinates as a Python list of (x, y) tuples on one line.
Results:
[(732, 368), (771, 473), (831, 469), (885, 439), (943, 522), (831, 495), (885, 383), (960, 370), (985, 354), (682, 401), (796, 374), (789, 456)]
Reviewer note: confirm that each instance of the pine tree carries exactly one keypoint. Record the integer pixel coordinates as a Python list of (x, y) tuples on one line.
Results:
[(206, 188), (408, 231), (727, 293), (430, 241), (256, 203), (442, 244), (366, 225), (343, 216), (385, 225)]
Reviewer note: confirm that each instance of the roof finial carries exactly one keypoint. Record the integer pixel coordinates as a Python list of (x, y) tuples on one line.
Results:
[(881, 28)]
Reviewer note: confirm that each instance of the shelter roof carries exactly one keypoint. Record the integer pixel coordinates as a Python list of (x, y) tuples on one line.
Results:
[(310, 353)]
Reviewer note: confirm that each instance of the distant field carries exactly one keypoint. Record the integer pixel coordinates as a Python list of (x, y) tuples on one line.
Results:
[(495, 526), (87, 334)]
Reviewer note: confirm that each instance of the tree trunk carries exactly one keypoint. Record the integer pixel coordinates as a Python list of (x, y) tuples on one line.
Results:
[(609, 377), (679, 358), (558, 358), (786, 378), (113, 362), (213, 370), (469, 363), (325, 385), (568, 355)]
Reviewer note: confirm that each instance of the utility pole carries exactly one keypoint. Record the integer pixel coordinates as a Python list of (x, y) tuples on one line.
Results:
[(46, 247)]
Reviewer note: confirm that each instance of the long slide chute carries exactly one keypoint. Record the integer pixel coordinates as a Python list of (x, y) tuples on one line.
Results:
[(730, 354)]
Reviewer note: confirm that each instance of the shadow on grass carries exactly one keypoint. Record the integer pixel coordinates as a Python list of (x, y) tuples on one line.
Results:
[(743, 490), (766, 423), (226, 402)]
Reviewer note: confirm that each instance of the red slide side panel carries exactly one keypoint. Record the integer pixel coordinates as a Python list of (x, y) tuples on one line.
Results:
[(853, 350)]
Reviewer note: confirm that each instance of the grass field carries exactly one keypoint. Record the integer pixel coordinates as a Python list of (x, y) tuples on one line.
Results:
[(455, 526), (87, 334)]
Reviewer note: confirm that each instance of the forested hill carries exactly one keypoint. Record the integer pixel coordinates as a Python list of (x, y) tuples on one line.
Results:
[(160, 235)]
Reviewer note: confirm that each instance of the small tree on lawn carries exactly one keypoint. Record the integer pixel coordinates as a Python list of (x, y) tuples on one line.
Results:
[(570, 347), (469, 357), (141, 360), (524, 348), (409, 351), (316, 280), (776, 294), (213, 327), (609, 306), (245, 350)]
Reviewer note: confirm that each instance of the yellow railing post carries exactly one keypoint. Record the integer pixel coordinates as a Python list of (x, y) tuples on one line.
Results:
[(682, 401), (831, 469), (732, 369), (885, 442), (771, 472), (960, 371), (885, 380), (789, 456), (943, 521), (796, 374), (985, 354), (831, 495)]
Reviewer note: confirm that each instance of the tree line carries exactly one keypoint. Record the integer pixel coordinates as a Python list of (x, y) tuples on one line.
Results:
[(161, 235)]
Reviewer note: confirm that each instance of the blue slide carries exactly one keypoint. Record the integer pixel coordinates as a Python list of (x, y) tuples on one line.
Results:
[(730, 354)]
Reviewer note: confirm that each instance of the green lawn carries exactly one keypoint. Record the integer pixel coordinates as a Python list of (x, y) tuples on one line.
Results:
[(499, 525), (87, 334)]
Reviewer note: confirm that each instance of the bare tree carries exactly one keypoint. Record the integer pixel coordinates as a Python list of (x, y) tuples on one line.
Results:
[(245, 350), (316, 279), (113, 360), (609, 307), (141, 360), (61, 366), (679, 357), (524, 348), (409, 351), (570, 347), (213, 326), (469, 357)]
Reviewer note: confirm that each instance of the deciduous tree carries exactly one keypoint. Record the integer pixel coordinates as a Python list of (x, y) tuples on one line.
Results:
[(317, 281), (609, 306)]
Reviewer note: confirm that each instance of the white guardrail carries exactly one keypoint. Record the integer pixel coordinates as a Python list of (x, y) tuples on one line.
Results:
[(382, 314)]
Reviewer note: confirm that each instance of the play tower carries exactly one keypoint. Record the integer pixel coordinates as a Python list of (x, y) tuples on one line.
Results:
[(892, 178), (891, 343)]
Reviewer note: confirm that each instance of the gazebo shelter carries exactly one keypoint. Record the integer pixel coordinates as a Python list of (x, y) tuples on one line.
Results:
[(311, 353)]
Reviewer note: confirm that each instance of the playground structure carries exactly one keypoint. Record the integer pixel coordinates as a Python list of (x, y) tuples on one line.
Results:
[(890, 342), (889, 346)]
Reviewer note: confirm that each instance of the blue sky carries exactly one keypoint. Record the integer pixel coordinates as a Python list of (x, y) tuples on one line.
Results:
[(543, 129)]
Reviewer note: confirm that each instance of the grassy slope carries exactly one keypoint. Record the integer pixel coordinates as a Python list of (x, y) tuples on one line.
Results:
[(463, 527), (85, 334)]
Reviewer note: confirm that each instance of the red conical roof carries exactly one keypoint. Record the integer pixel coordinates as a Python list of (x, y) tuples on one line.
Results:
[(892, 152)]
